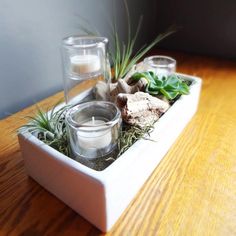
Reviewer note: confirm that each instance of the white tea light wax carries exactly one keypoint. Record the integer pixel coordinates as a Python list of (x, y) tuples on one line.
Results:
[(84, 64), (94, 139)]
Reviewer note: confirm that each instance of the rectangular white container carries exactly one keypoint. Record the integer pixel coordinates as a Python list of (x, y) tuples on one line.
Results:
[(102, 196)]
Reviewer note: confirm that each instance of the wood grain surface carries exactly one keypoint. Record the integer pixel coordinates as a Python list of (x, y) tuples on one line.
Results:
[(191, 192)]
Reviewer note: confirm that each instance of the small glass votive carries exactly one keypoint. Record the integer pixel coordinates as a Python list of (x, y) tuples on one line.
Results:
[(93, 129), (160, 65), (85, 62)]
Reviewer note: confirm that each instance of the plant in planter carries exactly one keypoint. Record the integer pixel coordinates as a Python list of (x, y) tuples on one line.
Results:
[(116, 186), (148, 105)]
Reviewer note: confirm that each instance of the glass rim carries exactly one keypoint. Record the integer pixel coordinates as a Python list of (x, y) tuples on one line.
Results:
[(98, 127), (171, 61), (70, 41)]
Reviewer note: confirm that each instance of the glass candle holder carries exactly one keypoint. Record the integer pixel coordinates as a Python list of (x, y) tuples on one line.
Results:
[(160, 65), (93, 129), (85, 62)]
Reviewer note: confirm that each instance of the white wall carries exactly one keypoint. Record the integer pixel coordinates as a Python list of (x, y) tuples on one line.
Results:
[(30, 40)]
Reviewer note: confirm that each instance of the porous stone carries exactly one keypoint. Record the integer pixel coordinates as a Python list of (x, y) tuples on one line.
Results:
[(141, 109)]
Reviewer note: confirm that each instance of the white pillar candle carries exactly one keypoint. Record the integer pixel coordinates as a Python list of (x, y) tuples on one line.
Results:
[(91, 137), (83, 64)]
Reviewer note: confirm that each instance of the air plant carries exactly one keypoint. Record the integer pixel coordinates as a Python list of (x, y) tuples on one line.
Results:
[(123, 55), (50, 128)]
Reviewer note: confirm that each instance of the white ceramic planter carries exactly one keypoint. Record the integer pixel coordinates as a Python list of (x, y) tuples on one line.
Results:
[(102, 196)]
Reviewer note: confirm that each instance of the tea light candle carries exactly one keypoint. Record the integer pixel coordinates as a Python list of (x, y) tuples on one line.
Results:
[(94, 139), (93, 129), (83, 64), (160, 65)]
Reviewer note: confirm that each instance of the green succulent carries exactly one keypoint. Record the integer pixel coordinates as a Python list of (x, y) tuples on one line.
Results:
[(168, 86)]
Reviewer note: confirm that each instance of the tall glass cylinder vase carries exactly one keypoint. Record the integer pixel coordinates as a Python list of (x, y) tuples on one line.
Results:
[(85, 63)]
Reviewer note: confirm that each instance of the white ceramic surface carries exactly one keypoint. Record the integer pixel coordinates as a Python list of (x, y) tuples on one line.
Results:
[(102, 196)]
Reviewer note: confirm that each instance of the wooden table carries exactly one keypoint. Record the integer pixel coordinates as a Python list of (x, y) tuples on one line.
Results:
[(191, 192)]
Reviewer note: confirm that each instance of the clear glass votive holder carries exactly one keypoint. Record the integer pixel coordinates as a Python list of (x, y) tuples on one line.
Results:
[(85, 62), (93, 129), (160, 65)]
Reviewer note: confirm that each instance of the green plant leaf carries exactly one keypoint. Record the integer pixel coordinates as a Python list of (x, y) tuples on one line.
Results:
[(49, 126), (169, 94), (184, 88), (172, 81), (125, 59), (170, 86)]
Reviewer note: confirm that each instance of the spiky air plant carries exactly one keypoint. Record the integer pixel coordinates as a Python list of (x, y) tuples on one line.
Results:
[(123, 55), (50, 128)]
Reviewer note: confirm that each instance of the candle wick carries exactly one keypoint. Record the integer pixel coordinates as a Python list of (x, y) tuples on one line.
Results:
[(93, 120)]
